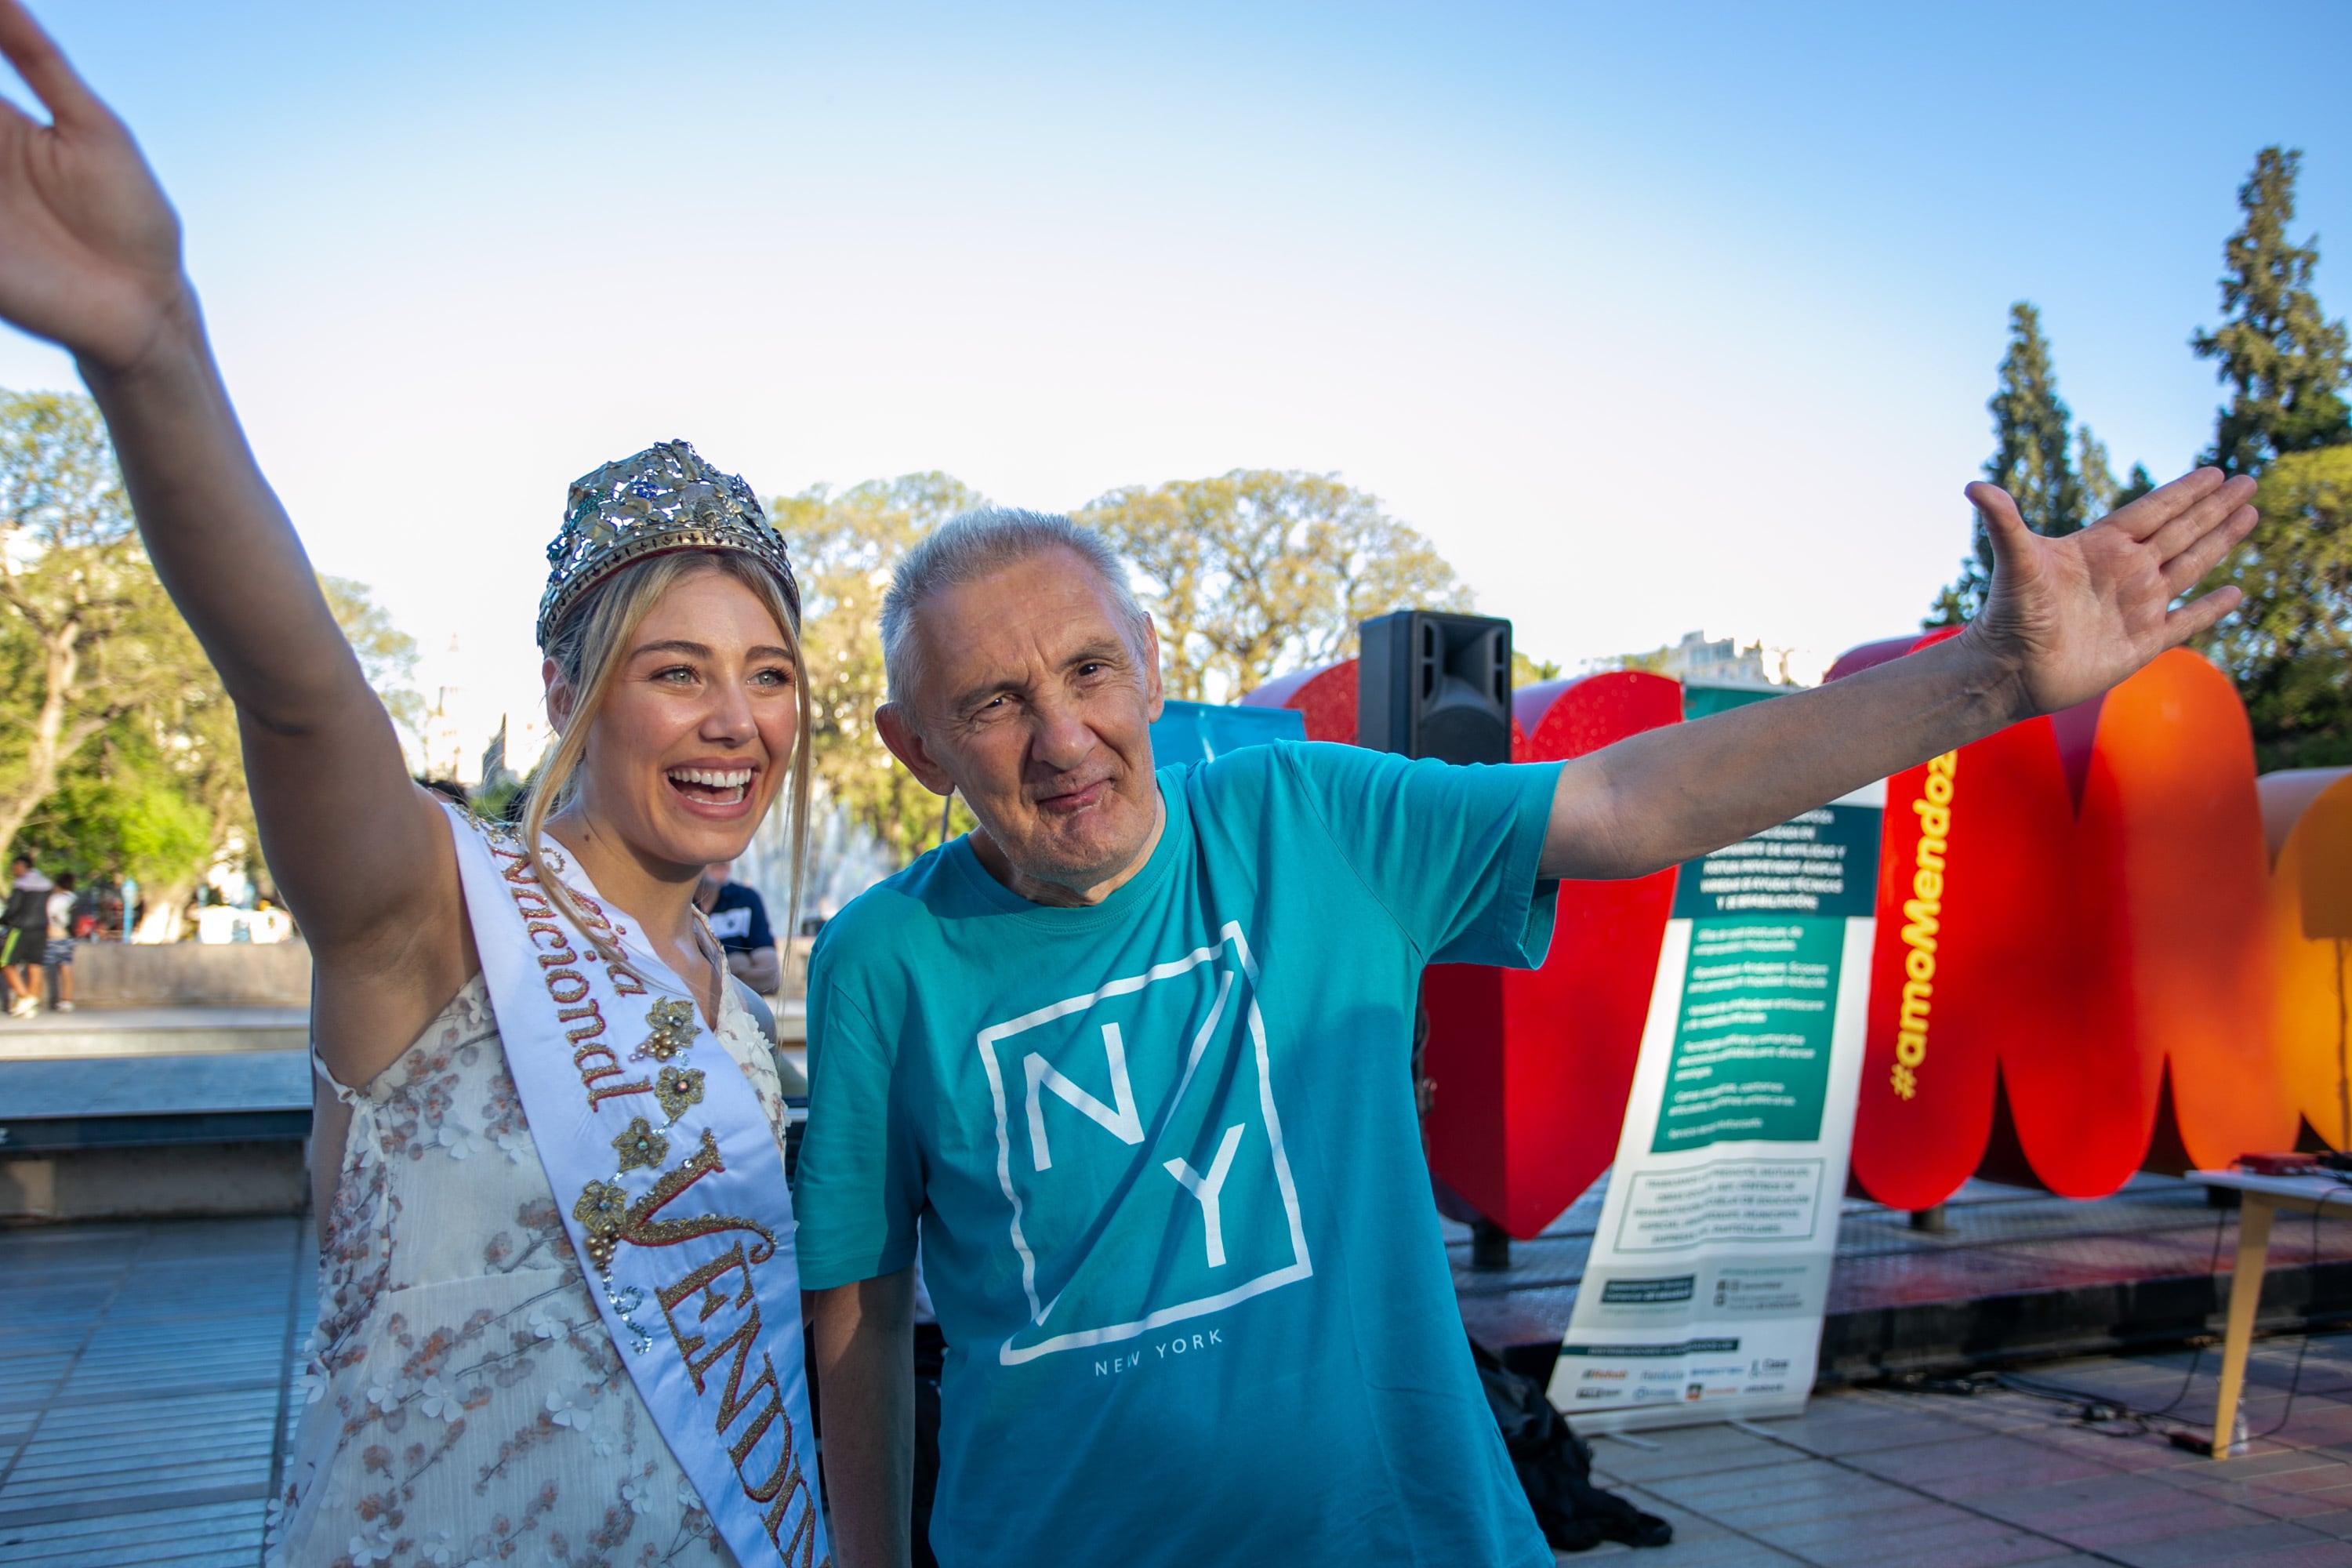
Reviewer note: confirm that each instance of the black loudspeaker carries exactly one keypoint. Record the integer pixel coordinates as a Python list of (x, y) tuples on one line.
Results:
[(1431, 685)]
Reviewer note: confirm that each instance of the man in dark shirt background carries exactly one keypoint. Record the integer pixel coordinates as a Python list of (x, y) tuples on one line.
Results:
[(24, 935), (739, 919)]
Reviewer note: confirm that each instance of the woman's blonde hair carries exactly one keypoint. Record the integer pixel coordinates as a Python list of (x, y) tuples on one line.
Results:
[(589, 648)]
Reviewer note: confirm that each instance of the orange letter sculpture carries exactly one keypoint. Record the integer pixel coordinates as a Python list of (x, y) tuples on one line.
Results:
[(2072, 979), (2309, 813)]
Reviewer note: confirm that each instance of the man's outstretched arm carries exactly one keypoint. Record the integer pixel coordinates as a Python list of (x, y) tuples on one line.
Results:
[(2066, 619)]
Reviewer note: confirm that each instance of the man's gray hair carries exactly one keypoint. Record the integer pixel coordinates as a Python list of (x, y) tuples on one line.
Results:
[(972, 545)]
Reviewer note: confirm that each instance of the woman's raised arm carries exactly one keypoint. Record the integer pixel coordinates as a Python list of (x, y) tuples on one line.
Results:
[(89, 259)]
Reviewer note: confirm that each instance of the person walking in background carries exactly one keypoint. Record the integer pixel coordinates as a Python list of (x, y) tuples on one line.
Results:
[(739, 919), (23, 932), (57, 954)]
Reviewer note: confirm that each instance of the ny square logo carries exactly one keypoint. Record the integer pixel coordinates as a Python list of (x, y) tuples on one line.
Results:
[(1140, 1153)]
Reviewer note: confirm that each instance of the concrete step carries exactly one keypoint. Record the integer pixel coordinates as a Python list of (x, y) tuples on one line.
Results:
[(154, 1032), (193, 974), (189, 1031), (119, 1137), (94, 1101), (2013, 1275)]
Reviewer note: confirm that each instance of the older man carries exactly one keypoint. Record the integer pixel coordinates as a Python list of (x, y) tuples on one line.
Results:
[(1105, 1055)]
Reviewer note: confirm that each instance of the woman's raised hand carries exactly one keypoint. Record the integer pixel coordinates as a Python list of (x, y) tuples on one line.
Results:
[(89, 259), (89, 247)]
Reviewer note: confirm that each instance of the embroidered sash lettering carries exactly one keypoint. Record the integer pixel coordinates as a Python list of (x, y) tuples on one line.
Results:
[(644, 1230), (785, 1480), (703, 1238)]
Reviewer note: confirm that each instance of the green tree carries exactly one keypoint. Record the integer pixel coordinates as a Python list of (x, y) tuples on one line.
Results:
[(2101, 489), (1527, 671), (844, 548), (1259, 570), (160, 794), (2289, 644), (87, 633), (2034, 460), (184, 737), (387, 654), (119, 750), (122, 810), (2281, 359), (2137, 485)]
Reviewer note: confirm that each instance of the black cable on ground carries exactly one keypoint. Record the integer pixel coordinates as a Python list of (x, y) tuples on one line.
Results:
[(2212, 1266), (2093, 1410), (2098, 1412)]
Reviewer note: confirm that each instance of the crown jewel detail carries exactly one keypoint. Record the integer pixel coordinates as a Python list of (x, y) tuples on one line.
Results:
[(662, 499)]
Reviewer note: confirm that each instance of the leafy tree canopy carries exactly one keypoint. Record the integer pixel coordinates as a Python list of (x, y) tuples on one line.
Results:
[(2281, 359), (119, 750), (1527, 671), (1260, 571), (844, 549), (1247, 576), (2289, 644), (123, 809), (87, 633), (2058, 473), (387, 654)]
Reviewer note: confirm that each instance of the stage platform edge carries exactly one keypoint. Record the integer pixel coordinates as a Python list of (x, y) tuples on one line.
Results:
[(2013, 1276)]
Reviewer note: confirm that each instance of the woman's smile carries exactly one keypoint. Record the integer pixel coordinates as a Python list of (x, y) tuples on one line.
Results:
[(714, 789)]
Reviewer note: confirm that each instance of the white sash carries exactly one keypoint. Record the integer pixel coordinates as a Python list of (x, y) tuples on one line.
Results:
[(671, 1183)]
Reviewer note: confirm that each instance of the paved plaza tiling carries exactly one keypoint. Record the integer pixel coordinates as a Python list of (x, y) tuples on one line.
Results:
[(1928, 1480), (144, 1395), (145, 1372)]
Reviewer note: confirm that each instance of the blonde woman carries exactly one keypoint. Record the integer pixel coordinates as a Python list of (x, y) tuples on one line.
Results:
[(558, 1311)]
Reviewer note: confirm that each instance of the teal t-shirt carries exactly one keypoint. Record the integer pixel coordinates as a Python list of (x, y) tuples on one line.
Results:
[(1163, 1160)]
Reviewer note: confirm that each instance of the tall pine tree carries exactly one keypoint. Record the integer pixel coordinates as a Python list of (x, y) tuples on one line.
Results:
[(2289, 644), (2100, 486), (2032, 459), (2281, 359)]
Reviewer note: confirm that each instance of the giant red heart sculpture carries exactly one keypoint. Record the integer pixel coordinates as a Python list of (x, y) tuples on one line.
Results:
[(1529, 1068)]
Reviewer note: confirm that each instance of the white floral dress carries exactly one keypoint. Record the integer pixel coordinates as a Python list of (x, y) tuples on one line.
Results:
[(466, 1405)]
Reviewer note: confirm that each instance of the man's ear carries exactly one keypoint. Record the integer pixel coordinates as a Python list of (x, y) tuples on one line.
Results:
[(906, 744), (560, 695), (1154, 693)]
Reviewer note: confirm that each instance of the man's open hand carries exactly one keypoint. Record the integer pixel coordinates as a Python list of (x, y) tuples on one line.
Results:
[(2072, 617)]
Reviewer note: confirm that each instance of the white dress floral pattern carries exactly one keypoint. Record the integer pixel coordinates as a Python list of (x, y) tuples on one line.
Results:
[(466, 1405)]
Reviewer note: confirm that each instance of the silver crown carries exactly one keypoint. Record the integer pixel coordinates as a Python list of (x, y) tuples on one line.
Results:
[(665, 498)]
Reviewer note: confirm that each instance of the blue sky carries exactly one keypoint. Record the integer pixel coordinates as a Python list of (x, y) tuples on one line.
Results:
[(1653, 317)]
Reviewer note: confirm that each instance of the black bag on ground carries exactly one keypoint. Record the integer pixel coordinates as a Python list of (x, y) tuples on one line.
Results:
[(1554, 1468)]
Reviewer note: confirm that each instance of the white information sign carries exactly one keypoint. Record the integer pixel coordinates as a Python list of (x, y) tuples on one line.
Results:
[(1704, 1294)]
